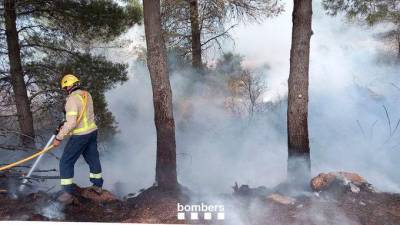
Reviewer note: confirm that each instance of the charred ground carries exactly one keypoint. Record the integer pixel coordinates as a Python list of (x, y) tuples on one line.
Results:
[(338, 200)]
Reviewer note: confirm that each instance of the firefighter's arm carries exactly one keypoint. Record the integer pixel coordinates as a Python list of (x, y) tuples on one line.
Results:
[(71, 115)]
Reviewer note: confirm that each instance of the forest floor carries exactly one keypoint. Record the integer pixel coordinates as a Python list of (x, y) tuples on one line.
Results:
[(153, 205), (339, 204), (348, 208)]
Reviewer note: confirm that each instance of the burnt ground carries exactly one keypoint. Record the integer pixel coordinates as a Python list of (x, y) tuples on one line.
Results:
[(153, 205), (364, 208), (41, 206), (159, 206)]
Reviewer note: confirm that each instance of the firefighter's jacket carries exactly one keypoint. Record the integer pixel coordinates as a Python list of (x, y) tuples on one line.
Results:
[(74, 107)]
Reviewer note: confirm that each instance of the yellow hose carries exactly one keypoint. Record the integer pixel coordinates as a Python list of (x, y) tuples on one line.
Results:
[(27, 158), (48, 148)]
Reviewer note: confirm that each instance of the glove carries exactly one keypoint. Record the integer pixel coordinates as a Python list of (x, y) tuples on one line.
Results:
[(59, 127)]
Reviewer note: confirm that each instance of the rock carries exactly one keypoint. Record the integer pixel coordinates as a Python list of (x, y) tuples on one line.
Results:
[(351, 181), (285, 200)]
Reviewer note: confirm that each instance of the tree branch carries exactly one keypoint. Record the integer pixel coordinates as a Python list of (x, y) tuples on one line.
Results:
[(32, 45), (219, 35), (43, 92)]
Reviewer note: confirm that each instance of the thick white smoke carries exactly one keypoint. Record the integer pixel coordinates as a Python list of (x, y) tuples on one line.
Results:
[(350, 84), (347, 84)]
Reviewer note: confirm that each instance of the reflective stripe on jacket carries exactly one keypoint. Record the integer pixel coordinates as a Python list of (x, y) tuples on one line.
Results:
[(74, 108)]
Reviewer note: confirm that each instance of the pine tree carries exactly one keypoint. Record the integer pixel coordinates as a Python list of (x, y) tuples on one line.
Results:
[(193, 26), (372, 12), (166, 176), (299, 164), (65, 34)]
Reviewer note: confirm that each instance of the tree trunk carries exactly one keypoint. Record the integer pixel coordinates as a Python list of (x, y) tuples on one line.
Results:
[(398, 47), (196, 35), (398, 43), (22, 102), (299, 164), (162, 96)]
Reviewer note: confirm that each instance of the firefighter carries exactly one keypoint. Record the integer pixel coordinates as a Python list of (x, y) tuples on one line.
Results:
[(80, 125)]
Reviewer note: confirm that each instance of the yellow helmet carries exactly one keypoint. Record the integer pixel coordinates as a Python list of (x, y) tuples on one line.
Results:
[(69, 80)]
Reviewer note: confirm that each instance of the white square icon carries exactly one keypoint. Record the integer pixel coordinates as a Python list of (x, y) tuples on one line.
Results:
[(194, 216), (221, 216), (207, 216), (181, 216)]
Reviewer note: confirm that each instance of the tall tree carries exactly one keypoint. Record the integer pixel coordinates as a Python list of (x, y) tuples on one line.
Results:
[(372, 12), (21, 99), (195, 35), (44, 39), (299, 164), (193, 26), (166, 176)]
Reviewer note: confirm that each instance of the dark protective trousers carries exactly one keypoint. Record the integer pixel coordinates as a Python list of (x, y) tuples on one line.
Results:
[(85, 145)]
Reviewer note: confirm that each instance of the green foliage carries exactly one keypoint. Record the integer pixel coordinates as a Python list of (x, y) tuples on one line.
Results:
[(58, 37), (216, 17), (95, 20), (134, 9), (97, 75), (229, 64), (371, 12)]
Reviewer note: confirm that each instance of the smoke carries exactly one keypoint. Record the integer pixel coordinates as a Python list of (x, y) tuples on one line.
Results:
[(52, 210), (209, 138), (350, 82), (348, 125), (349, 90), (351, 86)]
